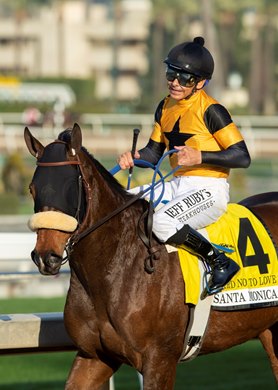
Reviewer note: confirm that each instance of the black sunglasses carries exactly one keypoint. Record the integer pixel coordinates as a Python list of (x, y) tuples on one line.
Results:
[(184, 79)]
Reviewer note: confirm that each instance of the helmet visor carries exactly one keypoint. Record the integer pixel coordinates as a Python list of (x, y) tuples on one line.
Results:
[(184, 79)]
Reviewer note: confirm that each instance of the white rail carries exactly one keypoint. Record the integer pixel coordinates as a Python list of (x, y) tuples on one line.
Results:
[(107, 133), (19, 275), (41, 332), (33, 332)]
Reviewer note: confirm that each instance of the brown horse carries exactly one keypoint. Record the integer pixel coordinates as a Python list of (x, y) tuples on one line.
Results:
[(117, 313)]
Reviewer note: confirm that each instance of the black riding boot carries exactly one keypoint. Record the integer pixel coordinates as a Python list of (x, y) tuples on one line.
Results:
[(222, 267)]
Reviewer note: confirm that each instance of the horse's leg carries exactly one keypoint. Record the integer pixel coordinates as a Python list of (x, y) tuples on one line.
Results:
[(88, 374), (160, 374), (269, 339)]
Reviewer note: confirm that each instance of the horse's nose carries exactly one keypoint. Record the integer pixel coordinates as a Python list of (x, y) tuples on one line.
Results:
[(49, 264), (35, 257), (52, 260)]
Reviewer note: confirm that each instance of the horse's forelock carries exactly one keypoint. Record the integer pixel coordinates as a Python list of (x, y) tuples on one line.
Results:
[(65, 135)]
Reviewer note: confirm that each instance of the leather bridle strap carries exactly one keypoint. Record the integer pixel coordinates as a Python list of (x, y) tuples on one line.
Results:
[(76, 238), (58, 163), (146, 239)]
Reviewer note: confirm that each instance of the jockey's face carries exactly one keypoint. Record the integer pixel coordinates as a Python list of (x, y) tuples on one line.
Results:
[(179, 92)]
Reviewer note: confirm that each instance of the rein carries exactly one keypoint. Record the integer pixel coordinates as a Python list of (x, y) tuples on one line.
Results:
[(78, 237), (145, 237), (75, 238)]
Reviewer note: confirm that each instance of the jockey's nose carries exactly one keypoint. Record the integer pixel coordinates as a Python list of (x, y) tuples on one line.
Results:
[(175, 82)]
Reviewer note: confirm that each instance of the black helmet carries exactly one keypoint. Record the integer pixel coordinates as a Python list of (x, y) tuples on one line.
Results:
[(192, 57)]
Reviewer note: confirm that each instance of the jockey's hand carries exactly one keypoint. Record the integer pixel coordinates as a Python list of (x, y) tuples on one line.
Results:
[(125, 160), (188, 156)]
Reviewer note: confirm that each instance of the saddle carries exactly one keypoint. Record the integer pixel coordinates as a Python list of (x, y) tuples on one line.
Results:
[(247, 241)]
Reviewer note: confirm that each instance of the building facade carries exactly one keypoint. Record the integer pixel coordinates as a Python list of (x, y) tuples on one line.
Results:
[(102, 40)]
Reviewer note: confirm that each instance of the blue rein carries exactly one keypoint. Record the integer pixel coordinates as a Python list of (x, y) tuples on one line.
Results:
[(155, 182)]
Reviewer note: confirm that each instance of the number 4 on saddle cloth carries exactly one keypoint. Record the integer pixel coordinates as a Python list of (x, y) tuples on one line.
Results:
[(249, 244)]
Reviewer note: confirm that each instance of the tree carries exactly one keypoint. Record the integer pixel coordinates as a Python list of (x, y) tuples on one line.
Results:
[(242, 37), (170, 25)]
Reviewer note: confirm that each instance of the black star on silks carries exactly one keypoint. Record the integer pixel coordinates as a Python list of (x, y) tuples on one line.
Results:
[(175, 137)]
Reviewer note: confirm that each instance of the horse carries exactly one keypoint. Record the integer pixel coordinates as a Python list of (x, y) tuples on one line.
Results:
[(117, 310)]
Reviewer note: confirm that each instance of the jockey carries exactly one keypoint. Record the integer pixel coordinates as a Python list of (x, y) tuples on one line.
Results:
[(208, 145)]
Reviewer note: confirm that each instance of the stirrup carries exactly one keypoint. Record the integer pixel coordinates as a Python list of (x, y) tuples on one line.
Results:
[(207, 290)]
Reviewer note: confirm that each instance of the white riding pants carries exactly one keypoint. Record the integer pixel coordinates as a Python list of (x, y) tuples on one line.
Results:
[(193, 200)]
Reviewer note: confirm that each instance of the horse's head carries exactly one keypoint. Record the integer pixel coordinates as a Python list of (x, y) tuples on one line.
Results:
[(58, 193)]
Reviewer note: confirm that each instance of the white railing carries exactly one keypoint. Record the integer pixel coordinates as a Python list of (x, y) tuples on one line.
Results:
[(110, 134), (18, 274), (34, 332), (40, 332)]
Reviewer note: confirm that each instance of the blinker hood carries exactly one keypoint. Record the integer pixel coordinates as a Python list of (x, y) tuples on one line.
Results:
[(56, 187)]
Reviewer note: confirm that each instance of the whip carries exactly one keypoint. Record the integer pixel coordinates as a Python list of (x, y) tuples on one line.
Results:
[(133, 149)]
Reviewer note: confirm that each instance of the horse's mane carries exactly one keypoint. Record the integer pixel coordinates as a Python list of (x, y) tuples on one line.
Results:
[(113, 183), (65, 136)]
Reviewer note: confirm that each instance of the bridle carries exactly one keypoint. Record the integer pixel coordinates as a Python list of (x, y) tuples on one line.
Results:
[(58, 163), (80, 233), (144, 234), (63, 163)]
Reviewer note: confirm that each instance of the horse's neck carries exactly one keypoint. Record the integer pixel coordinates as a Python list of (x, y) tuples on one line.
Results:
[(104, 198)]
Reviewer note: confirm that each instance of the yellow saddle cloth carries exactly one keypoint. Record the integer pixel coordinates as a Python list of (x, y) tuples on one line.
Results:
[(256, 284)]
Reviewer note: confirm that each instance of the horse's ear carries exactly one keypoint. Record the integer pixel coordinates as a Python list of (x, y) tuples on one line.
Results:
[(76, 138), (34, 146)]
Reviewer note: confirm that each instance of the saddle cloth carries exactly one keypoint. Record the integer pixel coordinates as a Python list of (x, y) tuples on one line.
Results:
[(256, 284)]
